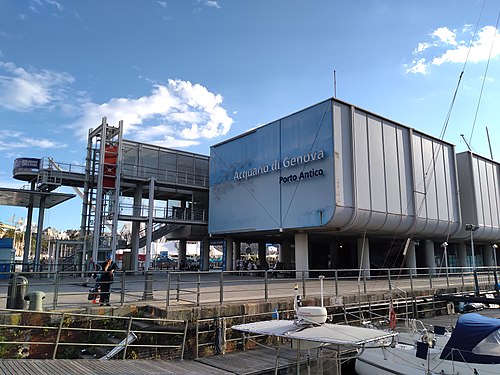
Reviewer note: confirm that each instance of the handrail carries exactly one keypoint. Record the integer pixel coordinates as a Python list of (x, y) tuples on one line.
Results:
[(87, 328), (194, 288)]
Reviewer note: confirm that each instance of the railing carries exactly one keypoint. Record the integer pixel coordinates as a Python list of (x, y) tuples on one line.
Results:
[(166, 175), (171, 213), (68, 335), (215, 335), (166, 288)]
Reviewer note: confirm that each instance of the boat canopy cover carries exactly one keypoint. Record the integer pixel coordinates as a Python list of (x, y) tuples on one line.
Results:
[(324, 333), (475, 339)]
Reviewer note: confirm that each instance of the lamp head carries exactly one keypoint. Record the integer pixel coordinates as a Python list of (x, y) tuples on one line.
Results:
[(495, 246), (444, 244), (471, 227)]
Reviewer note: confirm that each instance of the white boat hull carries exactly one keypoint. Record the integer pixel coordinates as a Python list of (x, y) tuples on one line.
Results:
[(401, 360)]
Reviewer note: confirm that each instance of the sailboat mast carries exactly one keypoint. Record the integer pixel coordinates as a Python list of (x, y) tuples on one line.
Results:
[(489, 142)]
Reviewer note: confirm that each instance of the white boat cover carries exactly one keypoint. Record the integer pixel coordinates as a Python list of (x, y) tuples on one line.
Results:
[(324, 333)]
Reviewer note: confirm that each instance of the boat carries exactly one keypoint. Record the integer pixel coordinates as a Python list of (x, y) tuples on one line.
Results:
[(309, 330), (473, 348)]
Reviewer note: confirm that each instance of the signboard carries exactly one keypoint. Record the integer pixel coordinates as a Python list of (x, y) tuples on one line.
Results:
[(27, 163)]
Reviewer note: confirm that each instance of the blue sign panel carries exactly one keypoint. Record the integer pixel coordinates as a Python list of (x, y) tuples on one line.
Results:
[(281, 175)]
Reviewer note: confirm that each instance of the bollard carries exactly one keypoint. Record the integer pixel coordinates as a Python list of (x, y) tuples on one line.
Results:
[(148, 286), (35, 298), (17, 291)]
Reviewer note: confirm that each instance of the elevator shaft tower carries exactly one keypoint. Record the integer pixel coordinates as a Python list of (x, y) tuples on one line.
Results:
[(102, 189)]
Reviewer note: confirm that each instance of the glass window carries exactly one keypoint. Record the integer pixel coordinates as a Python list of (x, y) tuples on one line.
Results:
[(130, 158), (489, 346), (149, 161)]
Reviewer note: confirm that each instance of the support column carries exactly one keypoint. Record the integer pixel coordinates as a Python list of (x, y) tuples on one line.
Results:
[(430, 256), (39, 235), (205, 255), (286, 254), (411, 258), (462, 255), (262, 256), (301, 254), (181, 254), (149, 228), (27, 237), (136, 229), (228, 256), (237, 253), (363, 246)]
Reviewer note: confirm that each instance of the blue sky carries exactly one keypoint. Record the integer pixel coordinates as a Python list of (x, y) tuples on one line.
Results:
[(190, 73)]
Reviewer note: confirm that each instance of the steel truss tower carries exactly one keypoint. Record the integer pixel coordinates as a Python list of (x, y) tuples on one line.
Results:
[(102, 189)]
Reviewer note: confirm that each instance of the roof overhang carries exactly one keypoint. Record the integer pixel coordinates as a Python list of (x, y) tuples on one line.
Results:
[(23, 198)]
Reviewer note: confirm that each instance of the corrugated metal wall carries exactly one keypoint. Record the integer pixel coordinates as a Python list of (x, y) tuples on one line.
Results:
[(479, 195), (377, 176), (391, 179)]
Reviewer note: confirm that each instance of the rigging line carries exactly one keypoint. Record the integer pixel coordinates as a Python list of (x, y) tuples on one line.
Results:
[(304, 167), (448, 115), (484, 80), (247, 189)]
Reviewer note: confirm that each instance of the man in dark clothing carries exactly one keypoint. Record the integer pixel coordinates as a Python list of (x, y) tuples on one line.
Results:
[(106, 279)]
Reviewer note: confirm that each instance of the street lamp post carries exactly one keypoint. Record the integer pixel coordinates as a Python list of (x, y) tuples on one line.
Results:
[(444, 245), (495, 247), (472, 228)]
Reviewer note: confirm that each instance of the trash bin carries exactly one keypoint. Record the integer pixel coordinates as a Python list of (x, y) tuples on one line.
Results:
[(18, 286), (35, 298)]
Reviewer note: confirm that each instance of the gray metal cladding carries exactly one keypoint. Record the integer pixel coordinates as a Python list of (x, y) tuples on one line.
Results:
[(478, 179), (376, 176), (402, 181)]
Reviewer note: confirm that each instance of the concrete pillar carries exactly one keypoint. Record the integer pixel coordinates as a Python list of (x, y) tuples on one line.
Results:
[(237, 252), (229, 263), (411, 258), (27, 233), (363, 246), (181, 253), (149, 228), (462, 254), (136, 229), (334, 255), (302, 254), (39, 235), (487, 252), (262, 256), (286, 254), (205, 255), (430, 256)]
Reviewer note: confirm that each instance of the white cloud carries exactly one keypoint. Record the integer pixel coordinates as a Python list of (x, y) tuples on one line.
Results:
[(163, 3), (174, 115), (445, 35), (418, 67), (480, 49), (23, 90), (210, 3), (12, 140), (445, 48)]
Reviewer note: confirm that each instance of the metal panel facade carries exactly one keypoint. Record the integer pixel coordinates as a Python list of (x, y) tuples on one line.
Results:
[(376, 176), (479, 195)]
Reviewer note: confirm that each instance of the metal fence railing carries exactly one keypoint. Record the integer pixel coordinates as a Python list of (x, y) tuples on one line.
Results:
[(166, 288), (70, 335)]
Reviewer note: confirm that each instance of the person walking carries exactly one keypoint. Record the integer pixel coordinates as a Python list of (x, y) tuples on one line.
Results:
[(106, 279)]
